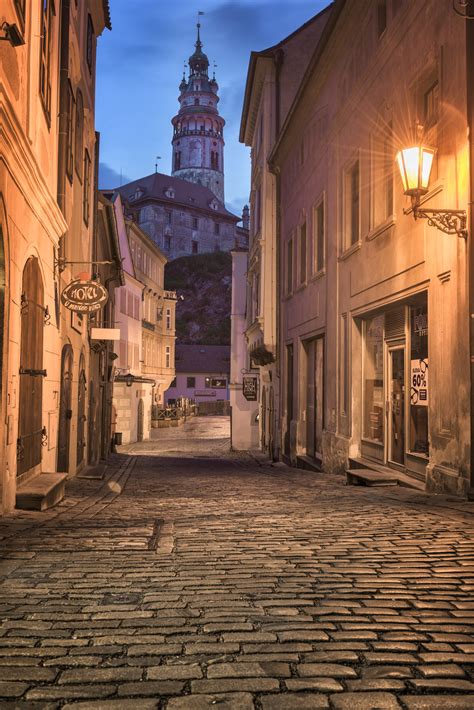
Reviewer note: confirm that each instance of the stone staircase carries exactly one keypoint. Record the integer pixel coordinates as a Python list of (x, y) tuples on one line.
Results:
[(361, 472)]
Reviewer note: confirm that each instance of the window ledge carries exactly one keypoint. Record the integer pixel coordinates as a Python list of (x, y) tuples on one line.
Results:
[(348, 252), (382, 228), (319, 274)]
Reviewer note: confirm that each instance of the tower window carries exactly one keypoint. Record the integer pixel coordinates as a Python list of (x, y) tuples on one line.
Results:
[(195, 247), (195, 222), (196, 102), (177, 160), (167, 242), (217, 228)]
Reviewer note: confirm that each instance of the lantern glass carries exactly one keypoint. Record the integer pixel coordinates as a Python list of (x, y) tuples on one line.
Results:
[(415, 165)]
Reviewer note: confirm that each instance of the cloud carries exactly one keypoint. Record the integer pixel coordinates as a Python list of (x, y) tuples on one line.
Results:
[(110, 178)]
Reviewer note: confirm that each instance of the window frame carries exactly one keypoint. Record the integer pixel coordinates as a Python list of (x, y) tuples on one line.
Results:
[(290, 266), (349, 242), (46, 29), (320, 204), (71, 117), (86, 187), (90, 34)]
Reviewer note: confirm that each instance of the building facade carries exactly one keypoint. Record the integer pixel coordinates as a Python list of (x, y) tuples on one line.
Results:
[(372, 300), (47, 158), (273, 79), (202, 373)]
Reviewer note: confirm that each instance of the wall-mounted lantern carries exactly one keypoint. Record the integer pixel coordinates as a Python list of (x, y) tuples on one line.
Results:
[(415, 164)]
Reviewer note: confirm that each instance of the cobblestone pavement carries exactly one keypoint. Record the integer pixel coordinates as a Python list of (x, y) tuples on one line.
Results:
[(211, 580)]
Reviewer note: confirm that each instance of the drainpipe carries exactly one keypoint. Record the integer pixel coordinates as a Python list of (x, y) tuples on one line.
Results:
[(63, 104), (470, 123)]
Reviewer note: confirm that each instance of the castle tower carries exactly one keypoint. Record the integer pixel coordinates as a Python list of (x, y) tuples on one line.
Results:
[(198, 130)]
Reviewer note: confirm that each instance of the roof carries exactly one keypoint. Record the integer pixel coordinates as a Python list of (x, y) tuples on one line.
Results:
[(187, 194), (214, 359), (108, 22), (269, 53)]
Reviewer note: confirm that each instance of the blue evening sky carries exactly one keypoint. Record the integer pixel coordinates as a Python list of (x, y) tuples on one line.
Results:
[(140, 65)]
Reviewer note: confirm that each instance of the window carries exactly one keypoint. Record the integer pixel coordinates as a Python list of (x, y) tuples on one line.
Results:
[(195, 223), (382, 175), (431, 104), (190, 382), (45, 56), (289, 266), (168, 319), (344, 366), (352, 205), (373, 424), (168, 356), (215, 382), (87, 187), (123, 300), (195, 247), (79, 135), (70, 134), (419, 387), (177, 160), (381, 16), (167, 242), (257, 211), (303, 249), (20, 7), (136, 308), (217, 228), (90, 43), (214, 160), (319, 236), (169, 217)]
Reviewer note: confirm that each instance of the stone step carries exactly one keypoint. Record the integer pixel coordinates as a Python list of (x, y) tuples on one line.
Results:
[(309, 464), (95, 473), (41, 492), (369, 477)]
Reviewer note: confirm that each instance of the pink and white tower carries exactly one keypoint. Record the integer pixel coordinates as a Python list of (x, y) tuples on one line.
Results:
[(198, 135)]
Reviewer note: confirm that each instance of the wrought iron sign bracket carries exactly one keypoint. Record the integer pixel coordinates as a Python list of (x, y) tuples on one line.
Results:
[(60, 263), (447, 221)]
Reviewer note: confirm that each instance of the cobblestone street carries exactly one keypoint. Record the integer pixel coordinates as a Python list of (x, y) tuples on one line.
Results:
[(191, 578)]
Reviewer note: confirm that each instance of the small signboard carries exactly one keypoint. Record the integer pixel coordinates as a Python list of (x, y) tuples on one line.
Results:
[(249, 388), (105, 333), (419, 382), (84, 296)]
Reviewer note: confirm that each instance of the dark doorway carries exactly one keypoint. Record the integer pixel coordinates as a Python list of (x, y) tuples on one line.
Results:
[(81, 412), (30, 426), (289, 396), (140, 420), (65, 409)]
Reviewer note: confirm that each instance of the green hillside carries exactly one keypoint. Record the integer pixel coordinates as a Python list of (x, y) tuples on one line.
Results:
[(205, 282)]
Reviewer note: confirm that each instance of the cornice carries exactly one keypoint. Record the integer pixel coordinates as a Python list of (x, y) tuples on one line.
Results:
[(21, 163)]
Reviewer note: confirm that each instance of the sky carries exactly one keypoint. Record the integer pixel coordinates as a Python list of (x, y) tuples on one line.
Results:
[(140, 65)]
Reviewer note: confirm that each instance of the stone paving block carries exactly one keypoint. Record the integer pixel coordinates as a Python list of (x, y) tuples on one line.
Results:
[(248, 670), (294, 701), (230, 685), (154, 688), (365, 701), (54, 692), (436, 702), (114, 705), (229, 701), (100, 675), (453, 684), (174, 672), (332, 670), (446, 670), (321, 685), (11, 689), (370, 684)]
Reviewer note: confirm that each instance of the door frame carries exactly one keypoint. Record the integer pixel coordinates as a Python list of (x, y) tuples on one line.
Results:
[(391, 346)]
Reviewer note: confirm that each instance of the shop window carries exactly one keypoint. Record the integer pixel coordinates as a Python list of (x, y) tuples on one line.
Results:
[(373, 425), (215, 382), (318, 236), (190, 382), (419, 386), (352, 205)]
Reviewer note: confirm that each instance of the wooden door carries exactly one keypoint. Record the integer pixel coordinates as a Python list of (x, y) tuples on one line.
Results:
[(65, 409), (397, 405), (318, 395), (310, 398), (30, 425), (289, 396), (81, 412)]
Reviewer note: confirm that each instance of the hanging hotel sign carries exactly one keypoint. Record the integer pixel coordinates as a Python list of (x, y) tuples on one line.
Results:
[(84, 296), (419, 382), (249, 388)]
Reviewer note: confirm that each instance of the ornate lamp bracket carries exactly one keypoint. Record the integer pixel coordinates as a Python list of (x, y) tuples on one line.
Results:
[(447, 221)]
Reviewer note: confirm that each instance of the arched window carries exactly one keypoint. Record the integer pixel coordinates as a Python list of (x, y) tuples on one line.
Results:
[(79, 138)]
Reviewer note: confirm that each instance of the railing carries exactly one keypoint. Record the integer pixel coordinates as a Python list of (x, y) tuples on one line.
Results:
[(181, 410)]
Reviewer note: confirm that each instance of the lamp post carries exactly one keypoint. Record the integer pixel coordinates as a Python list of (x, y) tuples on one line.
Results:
[(415, 164)]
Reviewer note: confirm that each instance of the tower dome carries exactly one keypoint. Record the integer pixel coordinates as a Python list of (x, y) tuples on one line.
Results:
[(198, 130)]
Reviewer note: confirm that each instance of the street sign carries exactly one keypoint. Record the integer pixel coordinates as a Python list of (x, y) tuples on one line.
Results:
[(249, 388), (84, 296)]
